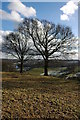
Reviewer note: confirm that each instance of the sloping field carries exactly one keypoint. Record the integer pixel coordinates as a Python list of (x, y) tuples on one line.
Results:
[(33, 96)]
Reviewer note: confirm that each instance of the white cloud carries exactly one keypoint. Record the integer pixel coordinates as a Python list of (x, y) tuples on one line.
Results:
[(17, 9), (76, 1), (22, 9), (14, 16), (64, 17), (2, 34), (68, 10)]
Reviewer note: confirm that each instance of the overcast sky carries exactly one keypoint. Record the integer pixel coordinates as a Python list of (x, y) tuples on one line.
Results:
[(12, 13)]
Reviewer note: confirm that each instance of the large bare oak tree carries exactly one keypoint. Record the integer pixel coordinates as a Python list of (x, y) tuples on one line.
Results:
[(47, 37)]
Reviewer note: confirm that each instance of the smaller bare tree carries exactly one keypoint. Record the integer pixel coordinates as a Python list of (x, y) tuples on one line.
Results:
[(17, 44)]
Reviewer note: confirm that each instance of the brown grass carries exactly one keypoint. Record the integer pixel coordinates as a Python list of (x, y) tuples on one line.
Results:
[(34, 96)]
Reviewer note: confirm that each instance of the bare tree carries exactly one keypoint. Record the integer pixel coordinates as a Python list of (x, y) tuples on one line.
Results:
[(17, 45), (47, 37)]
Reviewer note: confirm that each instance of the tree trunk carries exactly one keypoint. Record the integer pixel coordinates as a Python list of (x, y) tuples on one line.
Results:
[(46, 67), (21, 67)]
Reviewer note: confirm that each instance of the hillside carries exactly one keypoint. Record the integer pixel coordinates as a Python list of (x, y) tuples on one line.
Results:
[(10, 64), (33, 96)]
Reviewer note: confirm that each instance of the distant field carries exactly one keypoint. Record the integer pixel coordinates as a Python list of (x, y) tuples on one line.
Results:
[(33, 96)]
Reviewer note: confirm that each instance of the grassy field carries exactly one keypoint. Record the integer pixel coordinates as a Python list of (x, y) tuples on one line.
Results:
[(33, 96)]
